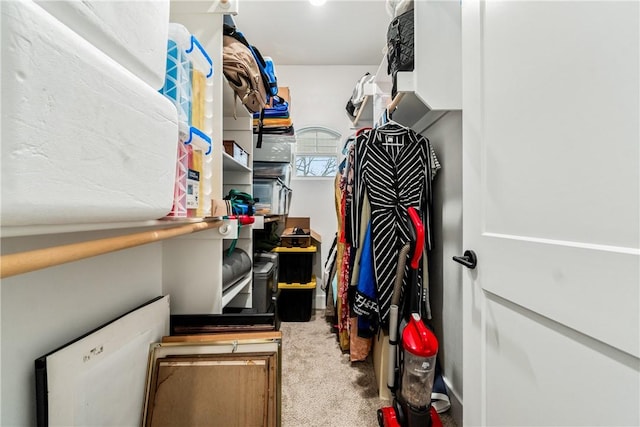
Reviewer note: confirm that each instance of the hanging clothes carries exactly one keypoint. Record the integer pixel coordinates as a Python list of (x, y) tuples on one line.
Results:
[(393, 168), (365, 304), (342, 268), (328, 275)]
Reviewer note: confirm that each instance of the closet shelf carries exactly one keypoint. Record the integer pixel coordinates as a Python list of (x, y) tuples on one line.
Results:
[(210, 6), (231, 164), (408, 109), (365, 113), (276, 139), (273, 218), (261, 220), (236, 288), (435, 85)]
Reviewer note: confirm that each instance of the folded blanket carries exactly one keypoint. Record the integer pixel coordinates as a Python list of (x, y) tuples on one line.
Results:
[(272, 123)]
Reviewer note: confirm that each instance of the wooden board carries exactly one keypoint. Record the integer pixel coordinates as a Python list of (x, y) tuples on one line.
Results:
[(214, 390), (201, 338), (220, 364)]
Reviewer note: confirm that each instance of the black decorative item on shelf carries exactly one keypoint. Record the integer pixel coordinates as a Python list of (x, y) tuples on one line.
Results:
[(400, 46)]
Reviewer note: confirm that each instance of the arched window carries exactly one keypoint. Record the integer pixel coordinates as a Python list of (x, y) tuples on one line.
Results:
[(316, 152)]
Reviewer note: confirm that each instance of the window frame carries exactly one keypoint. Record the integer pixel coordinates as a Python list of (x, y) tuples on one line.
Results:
[(337, 136)]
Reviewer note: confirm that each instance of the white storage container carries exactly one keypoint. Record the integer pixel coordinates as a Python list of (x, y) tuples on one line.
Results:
[(133, 33), (83, 139), (273, 170), (189, 85), (273, 196), (275, 148), (185, 57)]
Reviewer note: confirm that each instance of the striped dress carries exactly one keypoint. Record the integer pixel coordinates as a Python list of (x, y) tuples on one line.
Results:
[(393, 167)]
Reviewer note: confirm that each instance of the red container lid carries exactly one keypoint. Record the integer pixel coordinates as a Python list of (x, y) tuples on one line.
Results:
[(417, 339)]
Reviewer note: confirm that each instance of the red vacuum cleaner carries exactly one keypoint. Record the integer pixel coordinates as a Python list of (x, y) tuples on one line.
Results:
[(415, 370)]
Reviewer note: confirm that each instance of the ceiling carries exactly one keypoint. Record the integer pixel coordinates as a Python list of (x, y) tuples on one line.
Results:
[(294, 32)]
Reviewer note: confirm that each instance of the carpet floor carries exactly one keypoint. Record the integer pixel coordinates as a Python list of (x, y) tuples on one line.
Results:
[(320, 386)]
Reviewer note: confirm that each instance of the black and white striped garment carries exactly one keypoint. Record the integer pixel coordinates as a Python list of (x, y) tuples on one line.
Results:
[(393, 165)]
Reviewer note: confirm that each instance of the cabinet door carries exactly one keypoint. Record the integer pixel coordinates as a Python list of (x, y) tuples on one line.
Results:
[(551, 207)]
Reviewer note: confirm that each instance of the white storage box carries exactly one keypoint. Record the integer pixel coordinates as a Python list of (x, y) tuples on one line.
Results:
[(133, 33), (235, 151), (83, 139)]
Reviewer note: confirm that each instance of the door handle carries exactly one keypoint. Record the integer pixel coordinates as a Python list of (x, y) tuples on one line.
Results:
[(469, 260)]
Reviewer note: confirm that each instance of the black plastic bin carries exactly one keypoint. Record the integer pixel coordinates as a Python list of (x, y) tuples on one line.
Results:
[(295, 301), (295, 265), (265, 286)]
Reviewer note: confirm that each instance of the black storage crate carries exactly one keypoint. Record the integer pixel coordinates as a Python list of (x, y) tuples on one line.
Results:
[(295, 265), (294, 304)]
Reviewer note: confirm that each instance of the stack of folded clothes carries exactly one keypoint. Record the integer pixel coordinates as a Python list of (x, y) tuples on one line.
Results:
[(276, 119)]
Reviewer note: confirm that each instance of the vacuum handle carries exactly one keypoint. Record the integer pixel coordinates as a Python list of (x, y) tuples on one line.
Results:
[(419, 233)]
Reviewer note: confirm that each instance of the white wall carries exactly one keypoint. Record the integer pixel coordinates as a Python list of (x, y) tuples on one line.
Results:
[(45, 309), (445, 275), (318, 98)]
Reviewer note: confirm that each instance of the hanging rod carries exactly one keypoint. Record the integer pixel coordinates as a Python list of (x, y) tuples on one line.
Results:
[(25, 262), (394, 103), (391, 107)]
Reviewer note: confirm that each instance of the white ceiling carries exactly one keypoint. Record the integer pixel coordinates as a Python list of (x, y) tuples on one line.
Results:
[(294, 32)]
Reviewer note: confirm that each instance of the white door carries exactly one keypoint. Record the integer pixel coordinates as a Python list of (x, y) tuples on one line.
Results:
[(551, 164)]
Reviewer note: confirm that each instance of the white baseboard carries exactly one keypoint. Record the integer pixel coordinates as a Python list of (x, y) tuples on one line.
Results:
[(319, 302), (456, 402)]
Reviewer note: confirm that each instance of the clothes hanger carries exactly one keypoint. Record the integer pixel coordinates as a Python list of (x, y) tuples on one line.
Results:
[(361, 130), (388, 122), (350, 140)]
